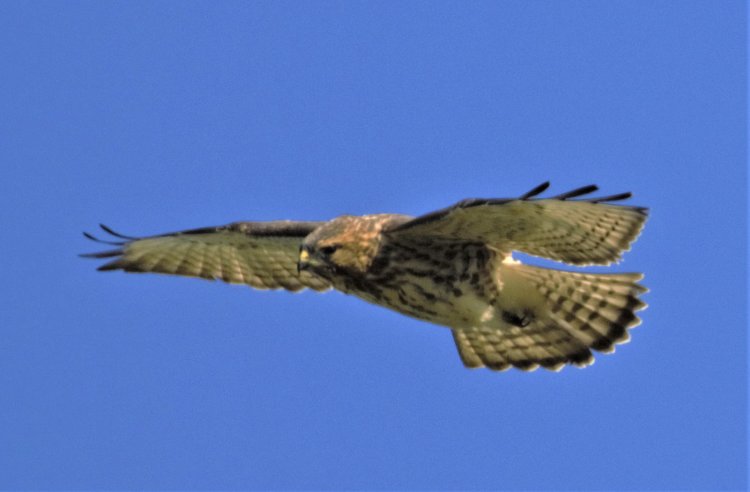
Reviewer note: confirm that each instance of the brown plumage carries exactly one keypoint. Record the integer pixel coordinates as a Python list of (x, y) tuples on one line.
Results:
[(452, 267)]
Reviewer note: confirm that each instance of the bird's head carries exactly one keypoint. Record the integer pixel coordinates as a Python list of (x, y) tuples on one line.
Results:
[(346, 244)]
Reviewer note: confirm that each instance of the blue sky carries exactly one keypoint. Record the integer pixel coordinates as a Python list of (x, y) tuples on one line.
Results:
[(160, 116)]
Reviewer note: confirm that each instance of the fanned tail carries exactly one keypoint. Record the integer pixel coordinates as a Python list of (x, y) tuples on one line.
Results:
[(597, 309), (569, 313)]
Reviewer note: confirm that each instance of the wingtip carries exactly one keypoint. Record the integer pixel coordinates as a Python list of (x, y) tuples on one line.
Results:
[(583, 190), (91, 237), (613, 198), (102, 254), (535, 191), (108, 267), (112, 232)]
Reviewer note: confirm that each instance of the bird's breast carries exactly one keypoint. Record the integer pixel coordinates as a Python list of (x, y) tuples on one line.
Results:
[(445, 283)]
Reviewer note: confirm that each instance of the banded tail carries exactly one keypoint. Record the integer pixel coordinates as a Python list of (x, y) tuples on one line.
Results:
[(572, 314)]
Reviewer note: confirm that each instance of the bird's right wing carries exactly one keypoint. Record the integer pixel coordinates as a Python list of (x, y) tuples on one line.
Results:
[(263, 255), (579, 232)]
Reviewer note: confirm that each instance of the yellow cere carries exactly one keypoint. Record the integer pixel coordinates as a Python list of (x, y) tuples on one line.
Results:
[(304, 255)]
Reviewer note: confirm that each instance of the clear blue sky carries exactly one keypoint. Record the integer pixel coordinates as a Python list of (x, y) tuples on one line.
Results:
[(160, 116)]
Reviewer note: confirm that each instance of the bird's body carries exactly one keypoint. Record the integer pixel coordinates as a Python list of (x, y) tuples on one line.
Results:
[(438, 282), (452, 267)]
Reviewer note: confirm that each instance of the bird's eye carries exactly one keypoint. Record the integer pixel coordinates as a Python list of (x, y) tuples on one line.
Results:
[(328, 250)]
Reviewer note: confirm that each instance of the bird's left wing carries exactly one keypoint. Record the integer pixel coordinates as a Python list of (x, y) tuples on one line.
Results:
[(263, 255), (577, 231)]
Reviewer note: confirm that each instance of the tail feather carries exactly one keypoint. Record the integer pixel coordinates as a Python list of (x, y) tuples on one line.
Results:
[(596, 309), (575, 313), (538, 344)]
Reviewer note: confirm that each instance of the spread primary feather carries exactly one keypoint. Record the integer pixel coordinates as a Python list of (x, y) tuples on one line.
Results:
[(452, 267)]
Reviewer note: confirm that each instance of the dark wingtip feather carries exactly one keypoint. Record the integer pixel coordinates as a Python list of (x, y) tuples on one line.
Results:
[(116, 234), (112, 265), (535, 191), (103, 254), (96, 239), (612, 198), (584, 190)]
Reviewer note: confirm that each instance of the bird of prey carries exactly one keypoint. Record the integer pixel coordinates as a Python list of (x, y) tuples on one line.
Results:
[(452, 267)]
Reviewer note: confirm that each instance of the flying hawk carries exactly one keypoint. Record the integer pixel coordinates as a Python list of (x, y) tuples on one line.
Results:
[(452, 267)]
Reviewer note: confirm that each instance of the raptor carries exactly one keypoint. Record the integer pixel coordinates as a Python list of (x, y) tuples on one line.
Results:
[(452, 267)]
